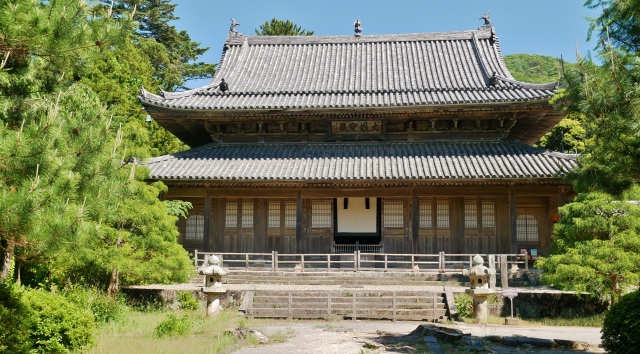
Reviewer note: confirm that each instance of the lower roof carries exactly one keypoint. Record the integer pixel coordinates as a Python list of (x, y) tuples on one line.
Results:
[(362, 161)]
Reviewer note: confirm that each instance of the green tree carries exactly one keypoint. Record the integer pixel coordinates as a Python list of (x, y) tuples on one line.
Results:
[(116, 76), (539, 69), (618, 24), (277, 27), (66, 189), (596, 246), (174, 56)]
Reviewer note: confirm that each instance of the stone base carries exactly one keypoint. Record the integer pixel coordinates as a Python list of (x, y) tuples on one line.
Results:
[(511, 321)]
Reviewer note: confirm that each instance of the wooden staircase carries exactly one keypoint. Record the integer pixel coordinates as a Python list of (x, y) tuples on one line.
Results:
[(346, 303)]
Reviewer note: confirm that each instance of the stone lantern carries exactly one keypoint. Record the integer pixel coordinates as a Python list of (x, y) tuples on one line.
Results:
[(212, 286), (479, 287)]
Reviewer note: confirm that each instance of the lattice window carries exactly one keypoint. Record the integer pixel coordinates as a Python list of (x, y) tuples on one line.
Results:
[(527, 228), (471, 213), (488, 214), (247, 214), (321, 214), (194, 228), (442, 213), (393, 213), (231, 215), (426, 213), (274, 215), (290, 212)]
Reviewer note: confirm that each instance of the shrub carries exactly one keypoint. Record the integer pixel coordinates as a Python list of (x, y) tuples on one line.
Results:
[(105, 308), (622, 325), (15, 321), (58, 325), (187, 300), (173, 325), (464, 305)]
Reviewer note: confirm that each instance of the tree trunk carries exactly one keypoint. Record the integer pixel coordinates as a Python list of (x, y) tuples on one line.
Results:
[(114, 283), (7, 260)]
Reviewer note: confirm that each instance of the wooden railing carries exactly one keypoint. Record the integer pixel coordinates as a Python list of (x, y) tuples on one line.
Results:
[(350, 248), (359, 261)]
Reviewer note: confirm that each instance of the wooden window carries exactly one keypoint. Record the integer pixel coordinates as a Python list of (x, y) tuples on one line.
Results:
[(231, 214), (442, 213), (393, 215), (275, 214), (247, 214), (321, 214), (426, 213), (470, 213), (239, 214), (488, 214), (194, 230), (527, 228), (290, 212)]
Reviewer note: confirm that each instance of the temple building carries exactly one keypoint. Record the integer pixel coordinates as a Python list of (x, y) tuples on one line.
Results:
[(399, 143)]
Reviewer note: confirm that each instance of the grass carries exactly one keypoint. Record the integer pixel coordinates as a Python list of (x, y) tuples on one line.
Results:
[(577, 321), (135, 333)]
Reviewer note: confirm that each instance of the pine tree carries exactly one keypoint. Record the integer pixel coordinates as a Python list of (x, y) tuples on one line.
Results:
[(277, 27)]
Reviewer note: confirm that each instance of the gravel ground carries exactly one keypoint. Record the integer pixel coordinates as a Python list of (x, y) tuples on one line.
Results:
[(344, 337)]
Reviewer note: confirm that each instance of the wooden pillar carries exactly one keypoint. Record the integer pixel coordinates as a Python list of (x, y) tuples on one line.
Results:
[(299, 214), (207, 222), (415, 222), (512, 220)]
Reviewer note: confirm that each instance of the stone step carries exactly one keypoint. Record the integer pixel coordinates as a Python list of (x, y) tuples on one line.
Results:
[(363, 304)]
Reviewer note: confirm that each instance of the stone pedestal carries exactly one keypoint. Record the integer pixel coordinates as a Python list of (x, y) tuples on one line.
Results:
[(213, 300), (480, 304)]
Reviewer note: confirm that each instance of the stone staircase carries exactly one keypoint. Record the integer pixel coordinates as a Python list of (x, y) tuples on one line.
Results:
[(346, 303)]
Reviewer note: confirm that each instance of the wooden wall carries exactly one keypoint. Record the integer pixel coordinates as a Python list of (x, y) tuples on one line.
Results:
[(543, 202)]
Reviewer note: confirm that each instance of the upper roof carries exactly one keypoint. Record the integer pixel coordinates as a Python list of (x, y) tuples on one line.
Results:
[(362, 161), (325, 72)]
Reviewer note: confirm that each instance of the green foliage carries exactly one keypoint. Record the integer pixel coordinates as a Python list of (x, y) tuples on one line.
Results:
[(533, 68), (173, 55), (568, 136), (464, 305), (277, 27), (618, 23), (622, 325), (596, 247), (174, 325), (58, 325), (187, 300), (15, 320), (105, 308)]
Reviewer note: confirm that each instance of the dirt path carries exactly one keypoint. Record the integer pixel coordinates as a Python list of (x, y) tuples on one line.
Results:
[(344, 337)]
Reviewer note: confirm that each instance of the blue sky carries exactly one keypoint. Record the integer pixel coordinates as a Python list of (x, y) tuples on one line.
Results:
[(547, 27)]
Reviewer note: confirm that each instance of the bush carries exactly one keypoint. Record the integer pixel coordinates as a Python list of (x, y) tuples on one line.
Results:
[(173, 325), (187, 300), (15, 321), (58, 325), (464, 305), (622, 325), (105, 308)]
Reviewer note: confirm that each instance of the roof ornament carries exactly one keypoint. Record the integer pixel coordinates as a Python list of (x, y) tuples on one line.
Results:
[(493, 80), (487, 21), (232, 28), (223, 86), (357, 27)]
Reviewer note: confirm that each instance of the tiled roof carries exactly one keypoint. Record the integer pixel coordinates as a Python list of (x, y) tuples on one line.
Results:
[(362, 161), (323, 72)]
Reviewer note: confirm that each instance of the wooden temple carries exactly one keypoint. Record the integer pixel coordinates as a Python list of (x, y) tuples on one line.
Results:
[(401, 143)]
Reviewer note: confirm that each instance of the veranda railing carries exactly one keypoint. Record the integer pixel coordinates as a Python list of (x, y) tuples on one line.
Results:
[(360, 261)]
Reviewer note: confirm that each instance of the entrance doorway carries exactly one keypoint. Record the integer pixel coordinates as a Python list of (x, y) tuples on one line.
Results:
[(357, 221)]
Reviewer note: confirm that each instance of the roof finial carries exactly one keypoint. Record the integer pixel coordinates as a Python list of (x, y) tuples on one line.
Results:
[(223, 86), (487, 21), (357, 27), (232, 28)]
